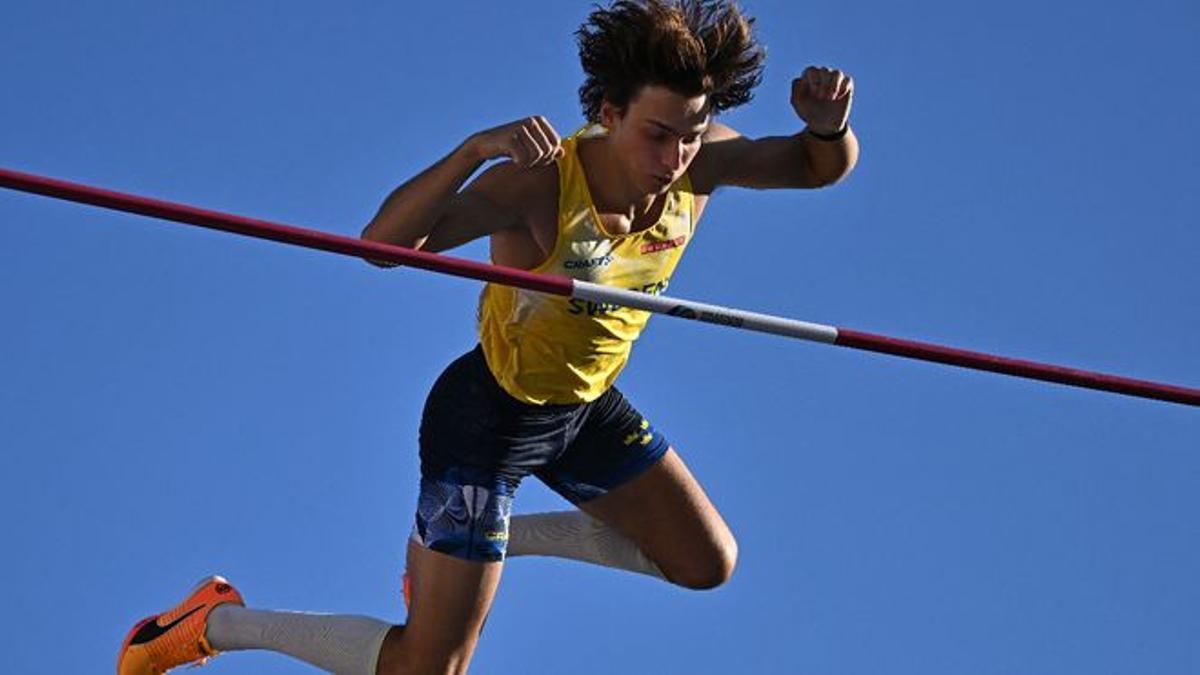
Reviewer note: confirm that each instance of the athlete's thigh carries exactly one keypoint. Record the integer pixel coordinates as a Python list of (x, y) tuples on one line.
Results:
[(622, 470), (670, 517)]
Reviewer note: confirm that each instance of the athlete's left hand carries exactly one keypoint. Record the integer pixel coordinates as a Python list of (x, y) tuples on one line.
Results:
[(821, 97)]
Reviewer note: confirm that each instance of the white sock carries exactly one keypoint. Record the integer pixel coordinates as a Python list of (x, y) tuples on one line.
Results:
[(578, 536), (344, 645)]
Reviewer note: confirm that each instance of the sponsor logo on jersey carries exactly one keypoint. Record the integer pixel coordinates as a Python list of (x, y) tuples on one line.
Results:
[(656, 246), (589, 263)]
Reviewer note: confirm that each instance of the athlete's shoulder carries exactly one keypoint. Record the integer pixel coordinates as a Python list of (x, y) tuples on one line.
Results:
[(719, 145)]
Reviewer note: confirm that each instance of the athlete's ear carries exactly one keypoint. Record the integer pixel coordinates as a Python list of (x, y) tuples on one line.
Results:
[(610, 114)]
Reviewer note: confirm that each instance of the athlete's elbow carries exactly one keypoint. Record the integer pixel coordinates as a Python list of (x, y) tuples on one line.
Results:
[(831, 175), (375, 262), (830, 171), (370, 235)]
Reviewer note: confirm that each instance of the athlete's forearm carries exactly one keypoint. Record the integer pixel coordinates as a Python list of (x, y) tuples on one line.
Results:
[(410, 212), (829, 160)]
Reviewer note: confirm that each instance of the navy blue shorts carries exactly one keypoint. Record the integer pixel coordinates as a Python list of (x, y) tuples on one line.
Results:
[(478, 442)]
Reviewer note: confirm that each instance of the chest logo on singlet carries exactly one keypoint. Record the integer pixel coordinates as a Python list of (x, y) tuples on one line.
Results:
[(589, 263), (656, 246)]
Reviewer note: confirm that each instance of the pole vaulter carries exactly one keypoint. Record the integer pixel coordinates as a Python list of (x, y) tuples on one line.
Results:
[(566, 286)]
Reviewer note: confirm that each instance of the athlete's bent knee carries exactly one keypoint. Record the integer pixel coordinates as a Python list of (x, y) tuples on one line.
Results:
[(414, 663), (708, 571), (407, 652)]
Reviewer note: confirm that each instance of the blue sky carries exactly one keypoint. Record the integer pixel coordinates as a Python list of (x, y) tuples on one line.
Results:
[(176, 402)]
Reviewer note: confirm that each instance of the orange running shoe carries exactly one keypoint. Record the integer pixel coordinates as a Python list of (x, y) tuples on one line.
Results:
[(176, 637)]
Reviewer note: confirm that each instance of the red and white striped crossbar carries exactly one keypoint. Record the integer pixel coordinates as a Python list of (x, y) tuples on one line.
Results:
[(566, 286)]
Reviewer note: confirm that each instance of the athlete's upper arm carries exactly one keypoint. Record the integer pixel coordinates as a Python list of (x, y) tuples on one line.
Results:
[(486, 205), (729, 158)]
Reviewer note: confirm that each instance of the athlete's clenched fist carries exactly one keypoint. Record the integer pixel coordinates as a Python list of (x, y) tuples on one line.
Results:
[(822, 97), (528, 142)]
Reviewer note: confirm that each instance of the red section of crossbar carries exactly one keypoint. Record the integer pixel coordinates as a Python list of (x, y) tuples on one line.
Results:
[(287, 234), (1030, 369)]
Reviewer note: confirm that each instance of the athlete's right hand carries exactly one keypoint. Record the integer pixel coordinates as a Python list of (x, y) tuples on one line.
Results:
[(528, 142)]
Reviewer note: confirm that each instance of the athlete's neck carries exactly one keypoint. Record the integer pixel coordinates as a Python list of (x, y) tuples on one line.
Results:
[(612, 190)]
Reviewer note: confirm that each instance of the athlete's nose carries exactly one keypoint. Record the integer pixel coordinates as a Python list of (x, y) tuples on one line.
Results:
[(673, 157)]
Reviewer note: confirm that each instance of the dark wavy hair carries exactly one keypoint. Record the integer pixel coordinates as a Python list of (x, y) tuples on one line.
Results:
[(691, 47)]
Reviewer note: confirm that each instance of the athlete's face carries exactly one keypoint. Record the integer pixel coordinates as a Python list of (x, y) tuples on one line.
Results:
[(657, 135)]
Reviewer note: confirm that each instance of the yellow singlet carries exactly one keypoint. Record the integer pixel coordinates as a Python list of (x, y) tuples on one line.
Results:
[(550, 349)]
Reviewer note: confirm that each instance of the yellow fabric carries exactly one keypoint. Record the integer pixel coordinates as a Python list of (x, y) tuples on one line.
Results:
[(550, 349)]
